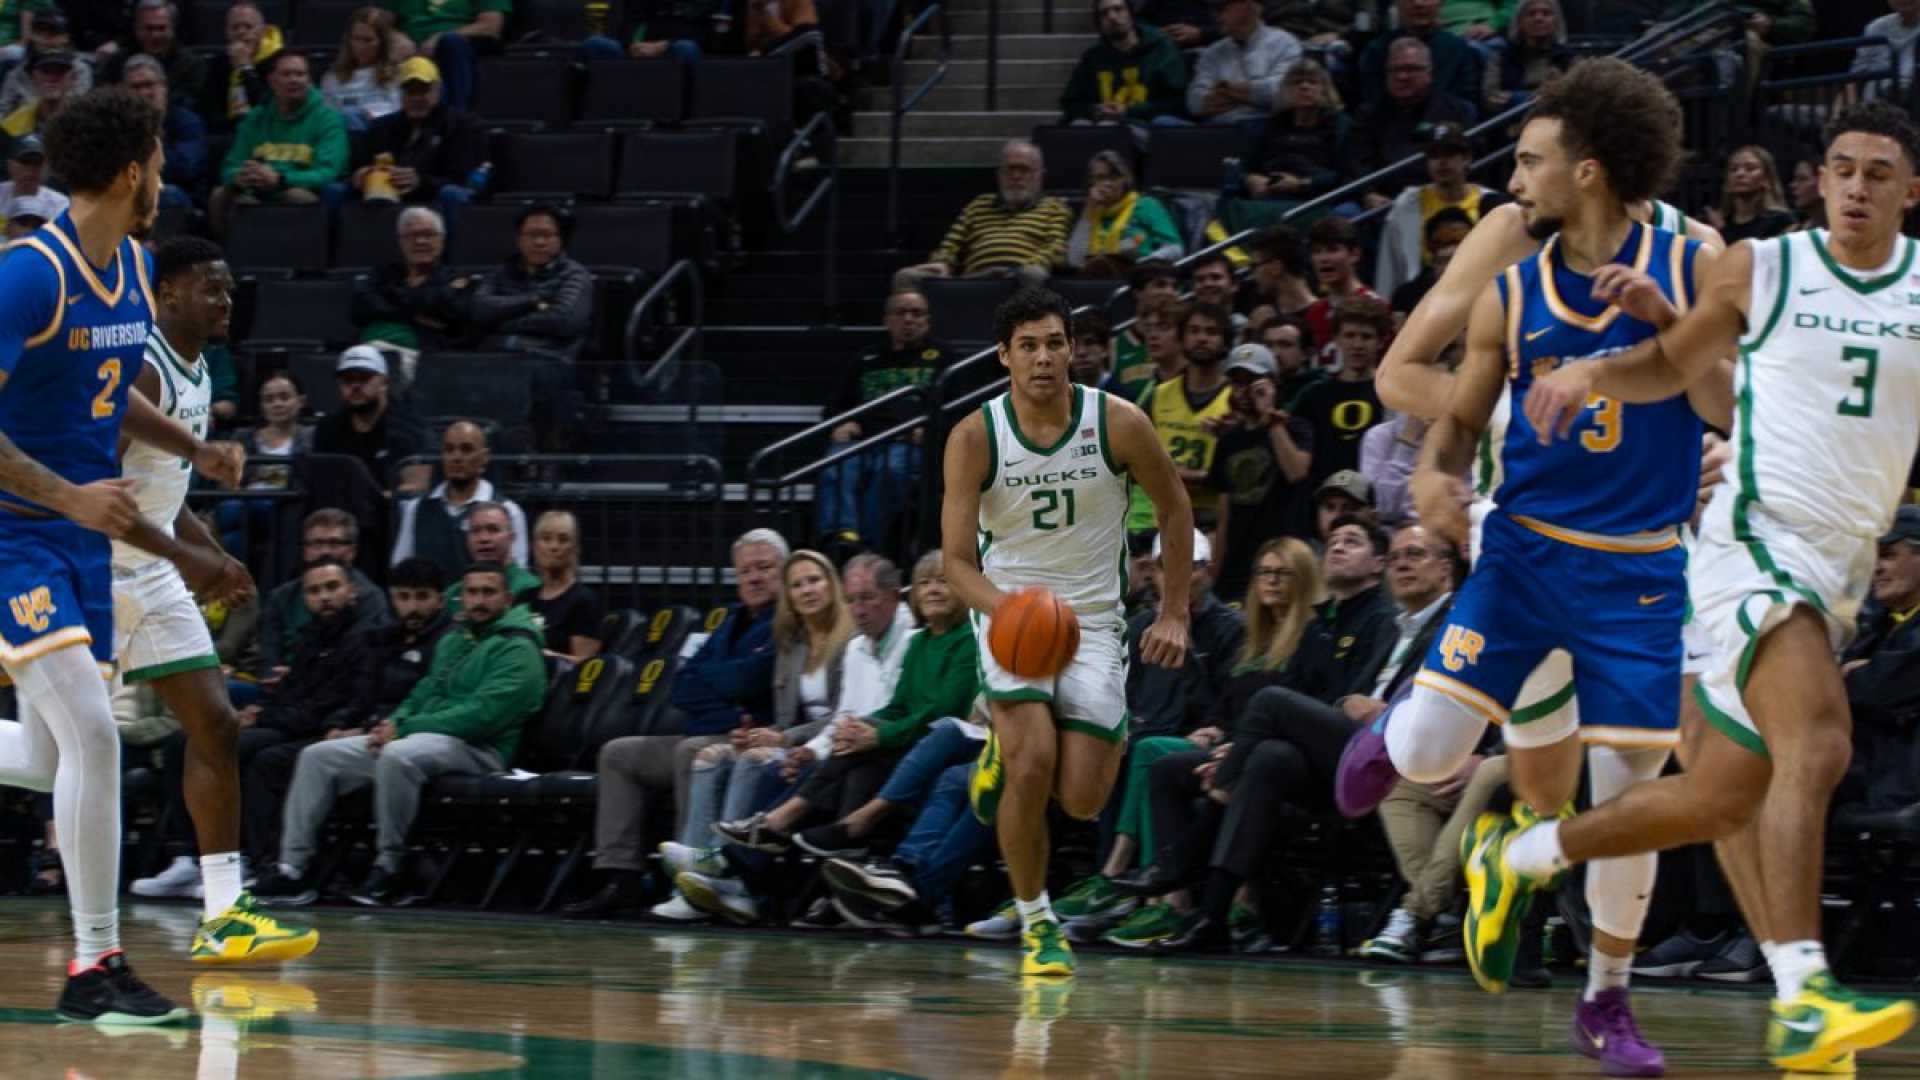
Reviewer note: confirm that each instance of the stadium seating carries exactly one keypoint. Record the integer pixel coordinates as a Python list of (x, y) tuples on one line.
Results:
[(1191, 158), (365, 236), (1065, 150), (634, 92), (289, 237), (524, 93), (561, 164), (309, 312)]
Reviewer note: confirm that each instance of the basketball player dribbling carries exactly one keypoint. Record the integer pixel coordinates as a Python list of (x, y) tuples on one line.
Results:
[(1036, 495)]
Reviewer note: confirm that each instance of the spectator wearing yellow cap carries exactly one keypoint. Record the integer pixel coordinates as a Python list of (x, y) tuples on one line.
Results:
[(425, 152)]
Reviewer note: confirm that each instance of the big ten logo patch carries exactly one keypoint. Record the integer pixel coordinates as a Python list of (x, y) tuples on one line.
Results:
[(1460, 648), (589, 675), (33, 610), (657, 629), (1083, 450), (715, 618), (649, 675)]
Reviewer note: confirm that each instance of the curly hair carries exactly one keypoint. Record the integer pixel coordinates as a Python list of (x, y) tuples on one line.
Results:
[(1877, 118), (1620, 116), (1365, 310), (181, 254), (95, 136), (1027, 306)]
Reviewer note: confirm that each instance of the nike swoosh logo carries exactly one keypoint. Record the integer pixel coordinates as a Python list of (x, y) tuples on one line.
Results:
[(1536, 333), (1692, 656), (75, 298), (1654, 599), (1013, 464), (1804, 291), (1804, 1027), (1599, 1041)]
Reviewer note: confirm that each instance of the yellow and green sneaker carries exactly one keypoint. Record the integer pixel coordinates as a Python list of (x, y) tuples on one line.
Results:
[(1498, 899), (1045, 950), (989, 776), (1829, 1021), (244, 933)]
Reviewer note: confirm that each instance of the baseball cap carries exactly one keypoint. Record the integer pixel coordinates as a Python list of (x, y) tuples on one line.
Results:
[(1202, 551), (419, 69), (52, 58), (1906, 526), (1448, 137), (361, 358), (50, 22), (1251, 357), (1349, 482), (41, 204), (28, 146)]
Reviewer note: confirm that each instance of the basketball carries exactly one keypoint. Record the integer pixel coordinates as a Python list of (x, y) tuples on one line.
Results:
[(1033, 634)]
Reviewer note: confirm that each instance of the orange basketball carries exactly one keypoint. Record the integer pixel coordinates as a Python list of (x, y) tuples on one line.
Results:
[(1034, 635)]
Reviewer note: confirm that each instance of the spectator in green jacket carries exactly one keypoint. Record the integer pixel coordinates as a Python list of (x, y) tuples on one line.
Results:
[(465, 717), (284, 153), (1132, 74), (1119, 226)]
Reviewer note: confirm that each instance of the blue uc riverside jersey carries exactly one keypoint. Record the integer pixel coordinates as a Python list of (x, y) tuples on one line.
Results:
[(1624, 469), (72, 340)]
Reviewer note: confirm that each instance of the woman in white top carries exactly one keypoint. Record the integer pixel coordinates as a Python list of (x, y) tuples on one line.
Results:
[(364, 83), (812, 626)]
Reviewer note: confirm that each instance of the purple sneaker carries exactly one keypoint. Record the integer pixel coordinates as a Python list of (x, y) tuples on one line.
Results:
[(1366, 775), (1604, 1030)]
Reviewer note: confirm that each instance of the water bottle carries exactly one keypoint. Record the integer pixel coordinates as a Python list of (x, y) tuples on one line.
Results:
[(477, 179), (1327, 934), (1233, 176), (596, 17), (1556, 949)]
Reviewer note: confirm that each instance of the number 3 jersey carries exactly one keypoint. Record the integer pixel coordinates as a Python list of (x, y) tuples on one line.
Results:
[(1055, 516), (1624, 469), (1827, 389)]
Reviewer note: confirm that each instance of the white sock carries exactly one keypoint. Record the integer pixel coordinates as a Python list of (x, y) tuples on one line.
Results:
[(1794, 962), (220, 880), (1606, 972), (1536, 852), (94, 936), (1034, 910), (1767, 949), (287, 871)]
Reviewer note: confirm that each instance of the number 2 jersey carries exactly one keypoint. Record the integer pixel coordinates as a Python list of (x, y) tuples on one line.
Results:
[(1624, 469), (1055, 516)]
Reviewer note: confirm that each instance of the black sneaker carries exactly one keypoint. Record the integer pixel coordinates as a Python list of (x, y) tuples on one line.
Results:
[(754, 834), (279, 890), (884, 883), (110, 993), (829, 842), (380, 889), (820, 915), (1738, 961), (1677, 957)]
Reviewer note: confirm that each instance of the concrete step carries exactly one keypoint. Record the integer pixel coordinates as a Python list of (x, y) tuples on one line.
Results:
[(1060, 49), (1021, 21), (983, 152), (1050, 74), (920, 124), (965, 97)]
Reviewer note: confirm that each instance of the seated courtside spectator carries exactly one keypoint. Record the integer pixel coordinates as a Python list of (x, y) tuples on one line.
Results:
[(569, 612), (726, 684), (417, 301), (423, 152), (465, 717), (491, 539), (363, 84), (156, 33), (1238, 77), (1536, 52), (182, 135), (434, 526), (236, 81), (1882, 670), (284, 152), (453, 34), (1014, 231), (1120, 224), (1133, 74), (373, 428), (284, 619)]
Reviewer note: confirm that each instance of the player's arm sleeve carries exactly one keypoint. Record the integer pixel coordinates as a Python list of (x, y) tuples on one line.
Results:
[(30, 303)]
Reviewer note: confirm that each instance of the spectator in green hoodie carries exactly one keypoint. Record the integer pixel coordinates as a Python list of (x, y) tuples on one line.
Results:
[(465, 717), (284, 153), (1132, 74)]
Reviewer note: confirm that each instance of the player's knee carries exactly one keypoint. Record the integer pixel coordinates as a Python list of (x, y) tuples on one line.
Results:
[(1032, 767), (1823, 756), (1081, 805), (1726, 809)]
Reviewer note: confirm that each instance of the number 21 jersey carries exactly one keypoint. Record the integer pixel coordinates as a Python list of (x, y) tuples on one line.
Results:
[(1055, 516)]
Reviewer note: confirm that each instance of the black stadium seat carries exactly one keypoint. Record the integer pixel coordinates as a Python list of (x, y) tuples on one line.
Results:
[(619, 629), (615, 235), (563, 163), (661, 635), (552, 20), (481, 236), (679, 162), (310, 311), (1191, 158), (523, 92), (366, 236), (634, 92), (288, 237), (315, 372), (963, 307), (734, 91), (487, 386), (1066, 149), (322, 23)]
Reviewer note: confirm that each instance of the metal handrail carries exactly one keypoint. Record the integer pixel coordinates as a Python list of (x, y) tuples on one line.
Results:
[(689, 338), (828, 190), (767, 453), (794, 44), (904, 103)]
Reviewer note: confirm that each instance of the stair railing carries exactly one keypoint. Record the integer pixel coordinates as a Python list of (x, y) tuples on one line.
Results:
[(827, 190), (904, 102)]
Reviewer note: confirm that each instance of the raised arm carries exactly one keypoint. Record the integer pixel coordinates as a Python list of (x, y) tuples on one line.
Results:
[(1439, 494), (1410, 379), (1663, 365)]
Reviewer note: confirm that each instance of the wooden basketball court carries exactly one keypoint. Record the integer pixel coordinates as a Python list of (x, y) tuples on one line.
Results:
[(427, 994)]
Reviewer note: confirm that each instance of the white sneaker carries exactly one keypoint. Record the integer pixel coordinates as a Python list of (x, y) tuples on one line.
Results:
[(676, 909), (1002, 925), (685, 858), (723, 896), (1398, 943), (181, 879)]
